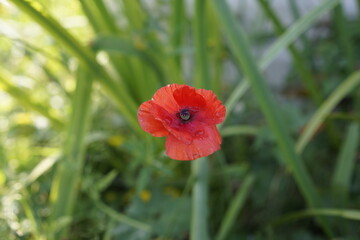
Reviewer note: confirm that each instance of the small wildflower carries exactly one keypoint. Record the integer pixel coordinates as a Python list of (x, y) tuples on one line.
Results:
[(145, 196), (187, 117), (116, 140)]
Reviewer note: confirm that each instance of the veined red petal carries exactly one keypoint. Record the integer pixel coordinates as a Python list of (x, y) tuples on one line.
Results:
[(200, 147), (148, 122), (164, 97), (215, 111), (187, 97), (171, 123)]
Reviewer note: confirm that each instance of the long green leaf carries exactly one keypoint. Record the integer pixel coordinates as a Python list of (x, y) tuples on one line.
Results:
[(345, 164), (178, 27), (121, 97), (350, 214), (202, 75), (344, 38), (24, 98), (69, 170), (108, 22), (299, 62), (35, 223), (119, 217), (325, 109), (235, 207), (240, 46), (119, 45), (291, 34), (239, 129)]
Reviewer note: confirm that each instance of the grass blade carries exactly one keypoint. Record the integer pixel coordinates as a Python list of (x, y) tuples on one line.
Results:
[(69, 170), (121, 97), (235, 207), (118, 216), (107, 21), (239, 129), (178, 28), (25, 100), (240, 47), (35, 223), (202, 75), (294, 8), (344, 38), (291, 34), (41, 168), (350, 214), (302, 67), (325, 109), (299, 62), (119, 45), (345, 164)]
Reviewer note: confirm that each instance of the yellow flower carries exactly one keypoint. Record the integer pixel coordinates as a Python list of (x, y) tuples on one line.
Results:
[(116, 140), (23, 119), (145, 196)]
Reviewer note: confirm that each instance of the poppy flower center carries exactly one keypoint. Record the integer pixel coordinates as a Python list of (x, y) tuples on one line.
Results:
[(185, 114)]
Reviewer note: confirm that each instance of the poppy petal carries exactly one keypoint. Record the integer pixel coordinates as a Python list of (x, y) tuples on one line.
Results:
[(187, 97), (171, 123), (215, 111), (164, 97), (200, 147), (148, 122)]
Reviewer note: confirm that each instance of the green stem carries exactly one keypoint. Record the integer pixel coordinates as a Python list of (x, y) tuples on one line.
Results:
[(240, 46), (199, 226)]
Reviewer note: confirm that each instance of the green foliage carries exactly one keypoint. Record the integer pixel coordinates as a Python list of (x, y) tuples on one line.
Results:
[(75, 164)]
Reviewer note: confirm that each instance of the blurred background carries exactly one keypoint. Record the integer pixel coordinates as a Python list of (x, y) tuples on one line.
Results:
[(75, 164)]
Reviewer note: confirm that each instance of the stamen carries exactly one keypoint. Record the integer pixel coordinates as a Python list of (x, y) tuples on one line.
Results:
[(185, 114)]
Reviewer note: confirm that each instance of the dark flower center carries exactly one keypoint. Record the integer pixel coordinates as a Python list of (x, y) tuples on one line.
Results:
[(185, 115)]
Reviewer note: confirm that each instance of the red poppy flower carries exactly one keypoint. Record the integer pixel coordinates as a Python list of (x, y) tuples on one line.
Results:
[(187, 117)]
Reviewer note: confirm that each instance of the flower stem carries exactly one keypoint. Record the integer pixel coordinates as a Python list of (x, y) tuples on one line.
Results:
[(202, 75), (199, 226)]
